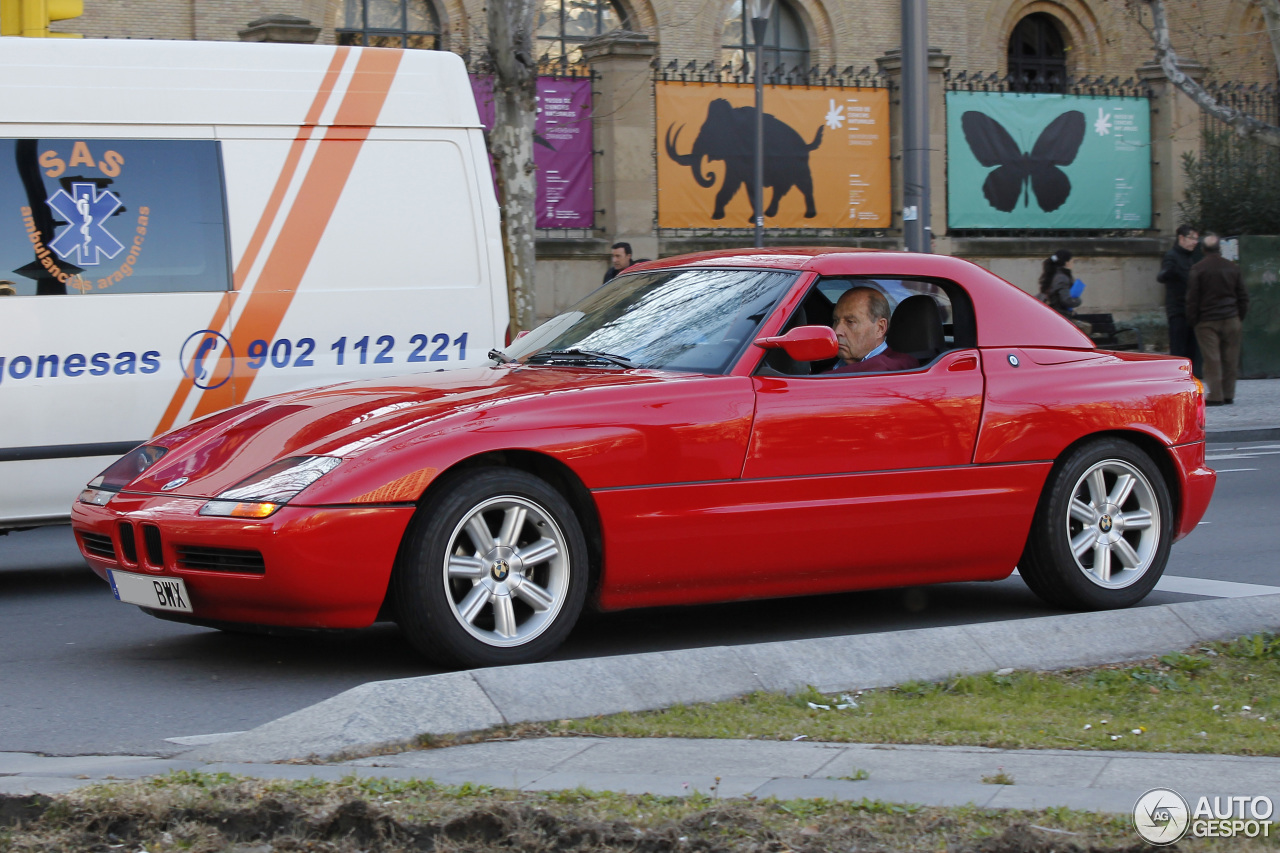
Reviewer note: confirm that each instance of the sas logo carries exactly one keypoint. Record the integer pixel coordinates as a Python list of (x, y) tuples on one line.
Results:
[(207, 359), (87, 218)]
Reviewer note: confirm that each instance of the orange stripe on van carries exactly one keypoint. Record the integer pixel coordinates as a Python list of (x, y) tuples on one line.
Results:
[(265, 222), (294, 248)]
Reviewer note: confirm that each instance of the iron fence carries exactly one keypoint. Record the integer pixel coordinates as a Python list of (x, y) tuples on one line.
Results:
[(679, 71), (1099, 86)]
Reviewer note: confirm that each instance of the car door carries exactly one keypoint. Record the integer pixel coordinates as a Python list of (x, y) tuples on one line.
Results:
[(868, 479)]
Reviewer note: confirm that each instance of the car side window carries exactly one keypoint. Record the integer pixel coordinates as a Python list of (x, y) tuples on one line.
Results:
[(927, 317)]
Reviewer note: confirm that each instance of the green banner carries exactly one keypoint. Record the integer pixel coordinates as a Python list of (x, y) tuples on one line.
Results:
[(1260, 265), (1047, 161)]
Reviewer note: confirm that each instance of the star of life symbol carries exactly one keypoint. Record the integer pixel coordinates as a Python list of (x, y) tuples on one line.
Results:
[(86, 240), (1161, 816), (1102, 124)]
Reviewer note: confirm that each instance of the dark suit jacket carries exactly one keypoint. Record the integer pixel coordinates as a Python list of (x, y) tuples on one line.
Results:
[(887, 360)]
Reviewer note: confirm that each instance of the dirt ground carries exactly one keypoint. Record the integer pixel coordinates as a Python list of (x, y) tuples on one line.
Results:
[(250, 817)]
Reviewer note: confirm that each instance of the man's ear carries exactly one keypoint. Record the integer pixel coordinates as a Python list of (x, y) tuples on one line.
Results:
[(883, 325)]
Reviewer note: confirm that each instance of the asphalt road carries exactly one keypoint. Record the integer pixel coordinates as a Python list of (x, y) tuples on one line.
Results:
[(81, 673)]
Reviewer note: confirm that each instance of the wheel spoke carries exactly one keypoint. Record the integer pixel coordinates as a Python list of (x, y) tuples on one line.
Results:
[(512, 524), (1102, 561), (478, 530), (1120, 492), (504, 616), (471, 605), (535, 596), (1082, 512), (467, 568), (538, 552), (1083, 541), (1097, 488), (1125, 552), (1139, 519)]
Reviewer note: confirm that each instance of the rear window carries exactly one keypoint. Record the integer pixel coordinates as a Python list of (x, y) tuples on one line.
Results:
[(103, 216)]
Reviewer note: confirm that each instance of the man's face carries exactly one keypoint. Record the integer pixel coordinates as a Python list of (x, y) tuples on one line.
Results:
[(1188, 241), (855, 331), (621, 260)]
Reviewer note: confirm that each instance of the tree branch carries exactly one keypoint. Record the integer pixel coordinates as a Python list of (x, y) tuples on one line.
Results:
[(1244, 125)]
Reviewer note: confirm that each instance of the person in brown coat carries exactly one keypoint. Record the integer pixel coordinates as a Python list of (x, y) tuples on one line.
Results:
[(1216, 305)]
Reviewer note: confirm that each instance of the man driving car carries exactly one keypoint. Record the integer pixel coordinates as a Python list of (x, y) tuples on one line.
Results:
[(861, 324)]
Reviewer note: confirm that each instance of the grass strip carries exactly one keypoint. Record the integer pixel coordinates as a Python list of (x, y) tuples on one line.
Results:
[(1219, 698)]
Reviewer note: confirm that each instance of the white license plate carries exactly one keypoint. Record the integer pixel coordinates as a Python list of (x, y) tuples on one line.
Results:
[(150, 591)]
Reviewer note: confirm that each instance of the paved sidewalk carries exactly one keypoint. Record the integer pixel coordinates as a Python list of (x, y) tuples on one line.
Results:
[(924, 775), (1255, 415)]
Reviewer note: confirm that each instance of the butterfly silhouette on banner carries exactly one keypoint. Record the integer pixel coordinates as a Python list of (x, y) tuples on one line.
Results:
[(1056, 146)]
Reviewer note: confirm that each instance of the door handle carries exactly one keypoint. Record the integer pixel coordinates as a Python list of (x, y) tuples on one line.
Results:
[(969, 362)]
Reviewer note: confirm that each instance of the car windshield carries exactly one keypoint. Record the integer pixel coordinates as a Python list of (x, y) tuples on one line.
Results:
[(695, 320)]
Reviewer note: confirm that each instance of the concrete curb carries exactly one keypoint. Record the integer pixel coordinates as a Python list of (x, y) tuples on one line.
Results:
[(1242, 435), (386, 713)]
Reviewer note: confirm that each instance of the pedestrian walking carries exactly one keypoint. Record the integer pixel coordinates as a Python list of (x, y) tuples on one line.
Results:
[(1216, 304), (1174, 269), (1056, 282)]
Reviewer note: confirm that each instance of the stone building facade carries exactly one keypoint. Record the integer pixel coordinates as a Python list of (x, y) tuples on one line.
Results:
[(1221, 39)]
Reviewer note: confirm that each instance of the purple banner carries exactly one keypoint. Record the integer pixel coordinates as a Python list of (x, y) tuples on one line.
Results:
[(561, 151)]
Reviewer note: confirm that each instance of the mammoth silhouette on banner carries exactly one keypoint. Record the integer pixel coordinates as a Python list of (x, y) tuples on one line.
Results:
[(729, 134), (826, 156)]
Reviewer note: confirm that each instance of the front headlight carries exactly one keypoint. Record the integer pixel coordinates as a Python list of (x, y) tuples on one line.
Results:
[(121, 473), (271, 488)]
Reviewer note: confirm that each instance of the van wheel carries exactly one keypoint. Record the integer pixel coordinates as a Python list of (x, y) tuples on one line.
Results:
[(1102, 532), (493, 571)]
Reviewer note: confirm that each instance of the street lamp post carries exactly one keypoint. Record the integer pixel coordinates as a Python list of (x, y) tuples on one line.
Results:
[(761, 10)]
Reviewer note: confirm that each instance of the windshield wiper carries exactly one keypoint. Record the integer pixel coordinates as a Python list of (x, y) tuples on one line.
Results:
[(576, 354), (500, 356)]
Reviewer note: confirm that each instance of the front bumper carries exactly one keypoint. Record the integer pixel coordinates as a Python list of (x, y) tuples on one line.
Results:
[(304, 567)]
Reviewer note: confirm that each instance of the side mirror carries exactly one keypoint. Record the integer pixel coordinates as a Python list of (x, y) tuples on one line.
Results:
[(805, 343)]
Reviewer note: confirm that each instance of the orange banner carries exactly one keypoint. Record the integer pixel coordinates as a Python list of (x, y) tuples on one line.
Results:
[(826, 156)]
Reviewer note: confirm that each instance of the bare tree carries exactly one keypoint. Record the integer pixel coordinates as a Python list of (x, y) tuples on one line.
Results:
[(1245, 125), (515, 99)]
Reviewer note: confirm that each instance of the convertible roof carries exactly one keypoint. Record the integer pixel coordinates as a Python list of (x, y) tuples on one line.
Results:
[(1007, 315)]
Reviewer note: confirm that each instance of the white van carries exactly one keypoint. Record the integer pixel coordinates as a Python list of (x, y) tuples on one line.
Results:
[(187, 225)]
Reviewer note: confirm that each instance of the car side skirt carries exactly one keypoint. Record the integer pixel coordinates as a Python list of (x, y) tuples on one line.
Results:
[(697, 543)]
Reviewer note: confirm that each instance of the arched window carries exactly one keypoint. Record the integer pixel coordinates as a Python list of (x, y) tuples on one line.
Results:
[(390, 23), (563, 25), (1038, 55), (785, 42)]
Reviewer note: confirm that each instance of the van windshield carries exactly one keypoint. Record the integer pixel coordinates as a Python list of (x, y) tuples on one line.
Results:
[(691, 320)]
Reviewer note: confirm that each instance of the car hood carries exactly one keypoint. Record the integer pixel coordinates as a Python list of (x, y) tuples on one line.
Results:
[(354, 419)]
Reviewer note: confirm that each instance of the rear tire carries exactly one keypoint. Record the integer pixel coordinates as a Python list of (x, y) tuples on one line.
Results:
[(1102, 532), (493, 571)]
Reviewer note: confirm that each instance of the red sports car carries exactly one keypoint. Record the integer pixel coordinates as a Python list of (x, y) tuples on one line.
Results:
[(685, 434)]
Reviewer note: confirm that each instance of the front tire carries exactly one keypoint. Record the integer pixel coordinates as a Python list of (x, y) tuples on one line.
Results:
[(1102, 532), (493, 570)]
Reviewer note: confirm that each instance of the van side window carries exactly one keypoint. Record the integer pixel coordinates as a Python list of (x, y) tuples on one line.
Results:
[(106, 216)]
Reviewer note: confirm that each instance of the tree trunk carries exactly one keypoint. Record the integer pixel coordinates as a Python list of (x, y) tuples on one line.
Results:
[(515, 81), (1245, 125)]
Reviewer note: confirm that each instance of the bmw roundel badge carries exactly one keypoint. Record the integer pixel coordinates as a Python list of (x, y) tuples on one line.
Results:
[(173, 484), (1013, 359)]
